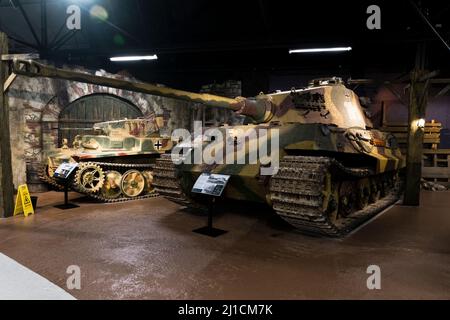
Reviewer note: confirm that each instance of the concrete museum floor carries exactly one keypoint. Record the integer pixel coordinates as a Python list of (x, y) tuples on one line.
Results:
[(146, 250)]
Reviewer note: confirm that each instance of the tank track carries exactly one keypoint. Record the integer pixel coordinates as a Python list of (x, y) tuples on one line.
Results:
[(167, 182), (297, 195), (106, 166), (123, 199), (51, 182)]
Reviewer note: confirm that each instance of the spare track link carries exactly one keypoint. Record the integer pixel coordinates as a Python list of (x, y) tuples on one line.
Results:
[(167, 182), (297, 195), (118, 167)]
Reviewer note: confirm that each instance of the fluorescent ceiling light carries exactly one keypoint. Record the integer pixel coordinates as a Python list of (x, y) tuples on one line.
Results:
[(338, 49), (134, 58)]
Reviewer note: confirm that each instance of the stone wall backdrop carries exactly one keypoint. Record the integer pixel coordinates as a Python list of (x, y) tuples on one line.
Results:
[(35, 106)]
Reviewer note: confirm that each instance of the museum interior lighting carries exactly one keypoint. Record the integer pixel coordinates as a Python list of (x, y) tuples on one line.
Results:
[(337, 49), (421, 123), (134, 58)]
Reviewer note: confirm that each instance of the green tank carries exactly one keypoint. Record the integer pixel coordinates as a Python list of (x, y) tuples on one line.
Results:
[(333, 170), (116, 164)]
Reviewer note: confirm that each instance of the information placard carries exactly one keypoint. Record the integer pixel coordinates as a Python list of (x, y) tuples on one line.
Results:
[(211, 184), (65, 170)]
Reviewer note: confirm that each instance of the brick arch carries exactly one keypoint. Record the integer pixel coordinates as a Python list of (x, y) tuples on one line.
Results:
[(50, 115), (148, 105), (78, 117)]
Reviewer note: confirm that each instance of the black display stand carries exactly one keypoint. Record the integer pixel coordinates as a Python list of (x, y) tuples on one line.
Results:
[(66, 205), (63, 174), (209, 230), (211, 186)]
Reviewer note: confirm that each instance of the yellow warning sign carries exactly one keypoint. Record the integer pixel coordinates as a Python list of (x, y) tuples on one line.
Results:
[(23, 202)]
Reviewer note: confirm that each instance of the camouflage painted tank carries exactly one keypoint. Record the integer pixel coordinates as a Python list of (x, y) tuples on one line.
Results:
[(114, 165), (335, 170)]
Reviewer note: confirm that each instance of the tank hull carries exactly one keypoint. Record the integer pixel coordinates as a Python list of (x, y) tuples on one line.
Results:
[(353, 171), (246, 182)]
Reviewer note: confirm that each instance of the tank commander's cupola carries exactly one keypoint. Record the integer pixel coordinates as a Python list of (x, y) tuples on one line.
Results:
[(325, 82)]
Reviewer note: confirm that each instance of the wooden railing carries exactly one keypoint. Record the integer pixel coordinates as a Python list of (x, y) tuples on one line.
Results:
[(436, 166), (431, 139)]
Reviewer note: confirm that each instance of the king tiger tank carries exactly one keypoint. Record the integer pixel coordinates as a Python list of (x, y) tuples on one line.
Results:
[(334, 170), (330, 169), (114, 165)]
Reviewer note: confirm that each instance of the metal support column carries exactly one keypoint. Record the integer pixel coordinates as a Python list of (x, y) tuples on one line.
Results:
[(417, 107)]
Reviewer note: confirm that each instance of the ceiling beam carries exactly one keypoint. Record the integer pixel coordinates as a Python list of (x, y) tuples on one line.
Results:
[(22, 56), (443, 91), (425, 19), (28, 21)]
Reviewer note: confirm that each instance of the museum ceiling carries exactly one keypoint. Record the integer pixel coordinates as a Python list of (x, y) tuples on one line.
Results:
[(197, 38)]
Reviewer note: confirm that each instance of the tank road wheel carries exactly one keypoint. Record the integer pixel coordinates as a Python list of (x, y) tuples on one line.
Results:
[(89, 178), (347, 198), (331, 198), (395, 179), (375, 190), (111, 187), (385, 185), (148, 175), (133, 183), (362, 193)]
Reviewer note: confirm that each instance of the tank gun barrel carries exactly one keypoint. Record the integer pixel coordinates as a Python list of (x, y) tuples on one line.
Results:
[(31, 68), (259, 109)]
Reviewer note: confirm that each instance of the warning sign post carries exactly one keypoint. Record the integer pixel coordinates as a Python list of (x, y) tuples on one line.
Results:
[(23, 202)]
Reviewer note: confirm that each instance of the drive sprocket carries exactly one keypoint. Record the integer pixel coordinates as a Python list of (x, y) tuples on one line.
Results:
[(89, 178)]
